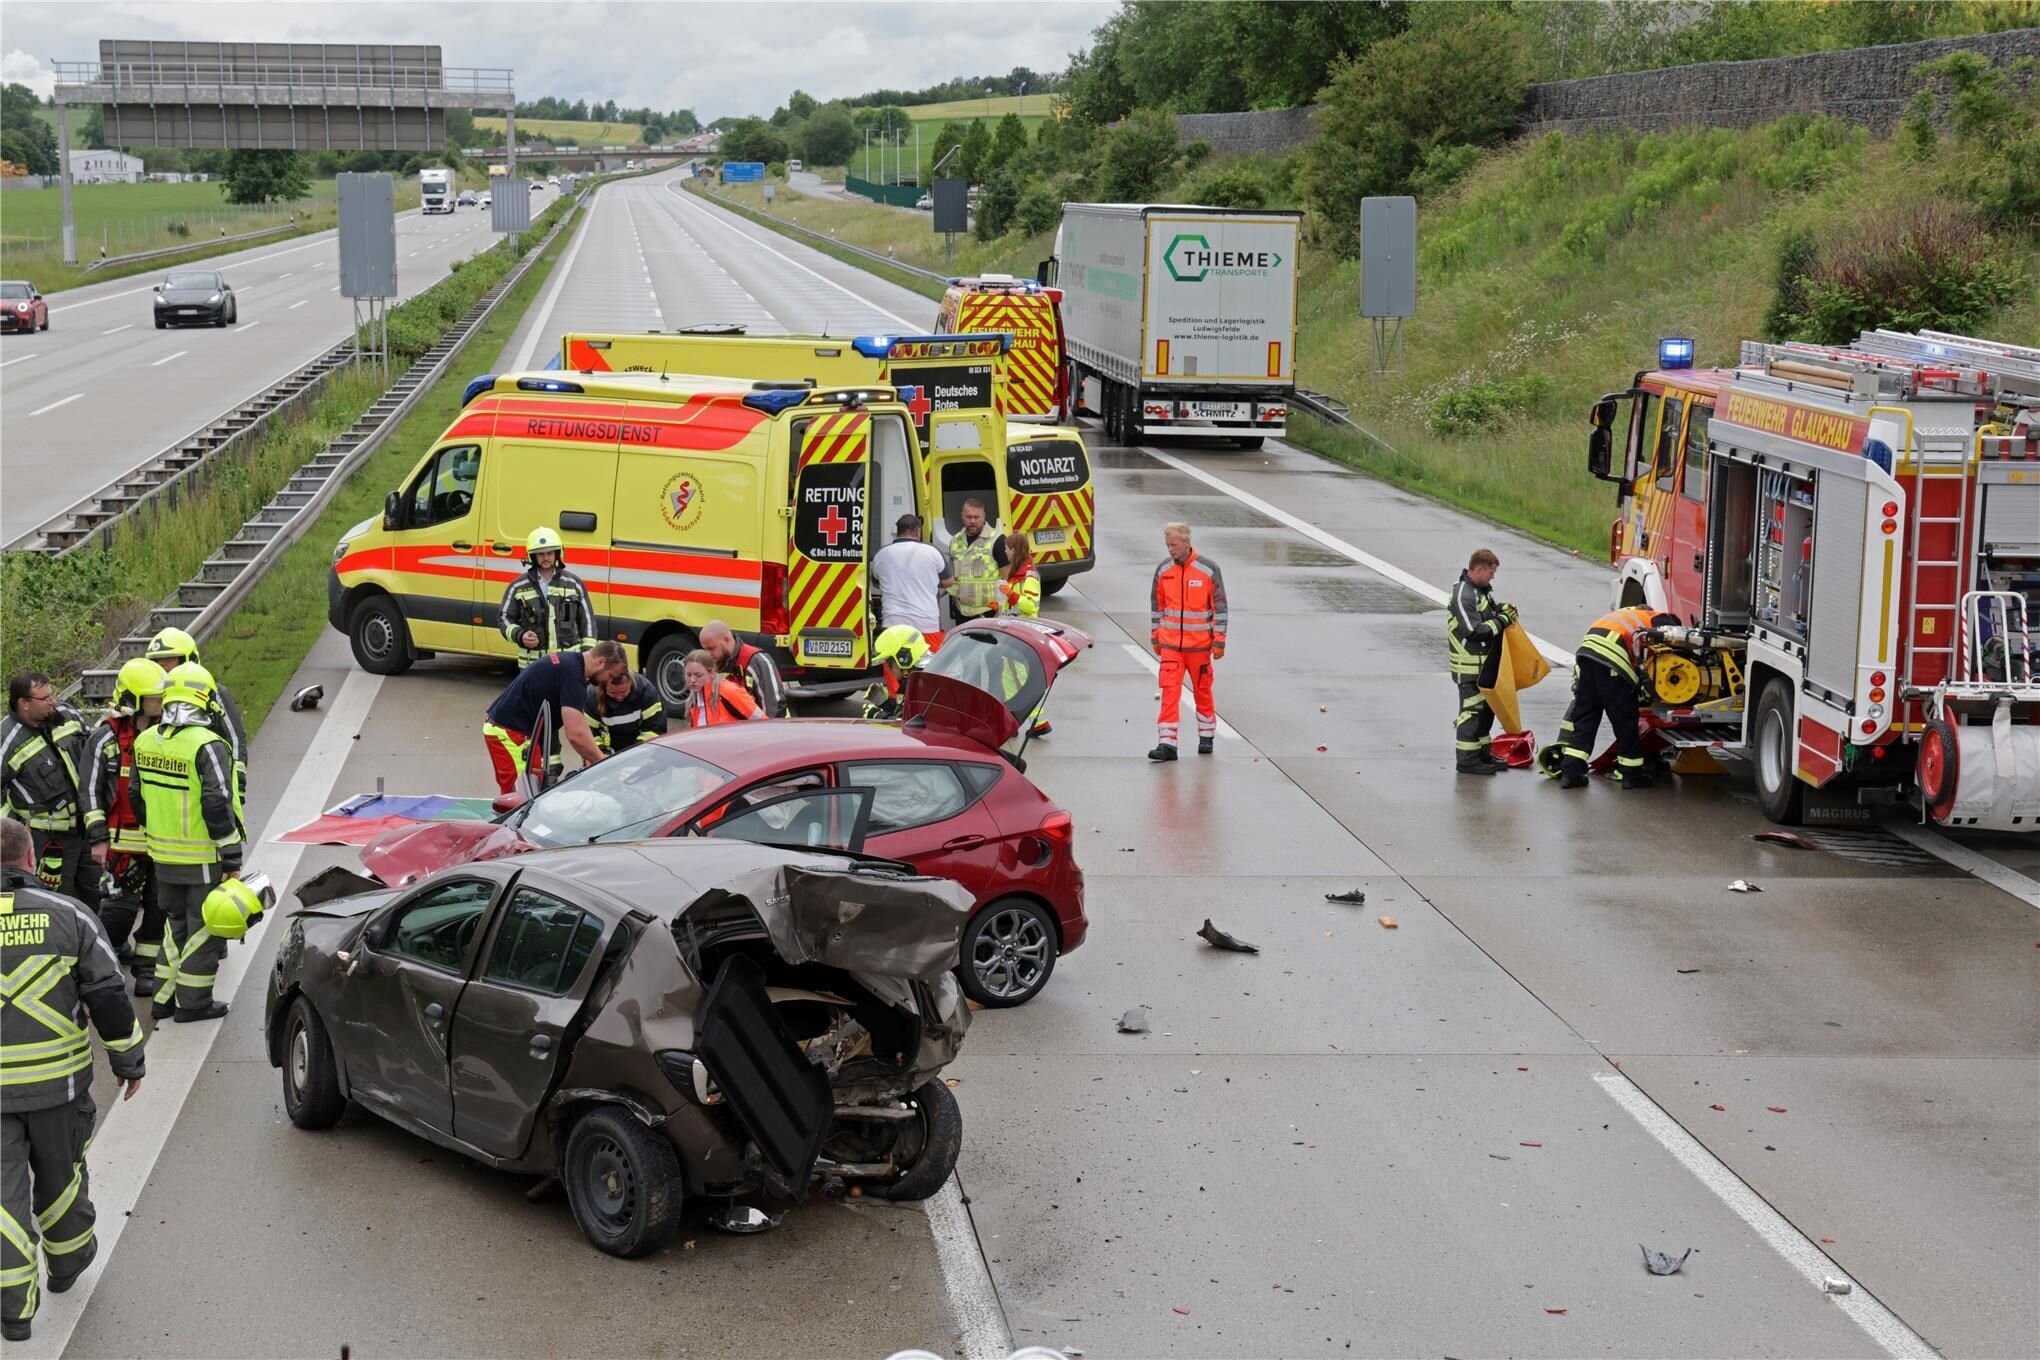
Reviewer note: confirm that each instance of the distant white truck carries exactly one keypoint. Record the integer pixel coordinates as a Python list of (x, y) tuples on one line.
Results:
[(435, 186), (1185, 316)]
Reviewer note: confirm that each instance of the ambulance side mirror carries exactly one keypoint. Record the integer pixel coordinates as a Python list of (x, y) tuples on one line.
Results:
[(392, 511)]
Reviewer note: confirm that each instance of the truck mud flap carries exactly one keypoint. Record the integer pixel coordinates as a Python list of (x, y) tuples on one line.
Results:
[(784, 1100)]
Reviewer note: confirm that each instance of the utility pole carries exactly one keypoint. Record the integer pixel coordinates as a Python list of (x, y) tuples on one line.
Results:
[(64, 173), (510, 158)]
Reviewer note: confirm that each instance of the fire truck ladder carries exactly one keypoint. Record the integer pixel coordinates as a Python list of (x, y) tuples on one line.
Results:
[(1924, 609), (2008, 373)]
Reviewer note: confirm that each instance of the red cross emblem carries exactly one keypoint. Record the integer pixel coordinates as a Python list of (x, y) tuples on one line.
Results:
[(833, 525), (920, 405)]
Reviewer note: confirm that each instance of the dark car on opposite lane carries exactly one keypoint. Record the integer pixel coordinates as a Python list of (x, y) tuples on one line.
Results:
[(22, 307), (945, 798), (195, 297)]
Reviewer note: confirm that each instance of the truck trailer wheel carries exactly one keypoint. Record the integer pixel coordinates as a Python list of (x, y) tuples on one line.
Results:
[(1774, 740), (1250, 443), (1108, 401), (1131, 427), (381, 638)]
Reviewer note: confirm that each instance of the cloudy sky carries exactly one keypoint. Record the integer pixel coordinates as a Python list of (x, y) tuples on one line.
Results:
[(714, 58)]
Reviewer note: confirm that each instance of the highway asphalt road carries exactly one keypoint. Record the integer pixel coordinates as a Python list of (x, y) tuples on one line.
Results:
[(103, 390), (1448, 1137)]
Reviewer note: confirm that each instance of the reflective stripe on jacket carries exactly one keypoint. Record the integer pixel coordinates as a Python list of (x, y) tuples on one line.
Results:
[(977, 571), (1616, 639), (109, 787), (187, 804), (623, 723), (755, 669), (726, 702), (57, 972), (1187, 610), (559, 611), (1473, 624), (1021, 594), (41, 770)]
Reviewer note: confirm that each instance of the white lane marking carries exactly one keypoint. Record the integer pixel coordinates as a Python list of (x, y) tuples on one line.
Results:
[(334, 289), (24, 358), (284, 275), (719, 220), (1414, 584), (980, 1321), (295, 305), (2001, 876), (118, 329), (249, 327), (1878, 1322), (168, 357), (322, 239), (1186, 702), (131, 1138), (61, 401), (561, 274)]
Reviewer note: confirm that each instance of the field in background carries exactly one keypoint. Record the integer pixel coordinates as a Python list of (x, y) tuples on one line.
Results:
[(79, 112), (1026, 105), (568, 132)]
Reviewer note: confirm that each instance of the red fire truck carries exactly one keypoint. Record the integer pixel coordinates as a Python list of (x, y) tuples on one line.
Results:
[(1852, 537)]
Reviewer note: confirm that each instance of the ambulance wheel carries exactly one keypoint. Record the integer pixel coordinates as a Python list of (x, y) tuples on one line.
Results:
[(1774, 739), (1939, 769), (665, 666), (381, 638), (1053, 585)]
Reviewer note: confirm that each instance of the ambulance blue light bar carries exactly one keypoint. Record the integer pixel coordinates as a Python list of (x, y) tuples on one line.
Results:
[(1675, 351), (548, 385), (777, 399), (978, 345), (476, 387)]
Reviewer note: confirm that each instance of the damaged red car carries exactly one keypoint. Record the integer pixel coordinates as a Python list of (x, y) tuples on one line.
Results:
[(649, 1023), (947, 796)]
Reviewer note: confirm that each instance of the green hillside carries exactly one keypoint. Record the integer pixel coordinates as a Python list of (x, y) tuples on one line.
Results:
[(1034, 106), (568, 132)]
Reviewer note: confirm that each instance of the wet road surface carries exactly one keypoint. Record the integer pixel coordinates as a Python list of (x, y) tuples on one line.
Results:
[(1445, 1138)]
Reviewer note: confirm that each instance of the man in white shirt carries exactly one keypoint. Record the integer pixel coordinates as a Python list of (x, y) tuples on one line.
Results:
[(911, 578)]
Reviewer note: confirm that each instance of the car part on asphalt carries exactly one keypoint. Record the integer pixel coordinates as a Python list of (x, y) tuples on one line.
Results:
[(1218, 939), (1134, 1021)]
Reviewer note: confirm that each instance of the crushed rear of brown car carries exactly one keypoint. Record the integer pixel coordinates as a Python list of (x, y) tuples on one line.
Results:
[(648, 1022)]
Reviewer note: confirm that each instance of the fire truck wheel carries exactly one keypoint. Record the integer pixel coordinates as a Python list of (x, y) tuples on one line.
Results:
[(381, 638), (1774, 738), (1939, 768)]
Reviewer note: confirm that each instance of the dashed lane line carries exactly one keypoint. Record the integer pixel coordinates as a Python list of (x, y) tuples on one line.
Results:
[(61, 401)]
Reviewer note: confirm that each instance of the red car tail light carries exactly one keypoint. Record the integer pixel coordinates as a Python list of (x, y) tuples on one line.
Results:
[(1058, 829), (773, 619)]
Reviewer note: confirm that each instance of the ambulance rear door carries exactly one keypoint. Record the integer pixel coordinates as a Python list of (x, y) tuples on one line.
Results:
[(826, 577), (1048, 484), (1031, 318), (553, 463)]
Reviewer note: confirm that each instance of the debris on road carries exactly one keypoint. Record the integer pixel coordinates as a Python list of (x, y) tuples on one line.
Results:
[(1835, 1286), (1218, 939), (1785, 838), (1658, 1263), (1722, 1108), (1184, 1311), (1743, 885), (1352, 897), (1388, 923), (1134, 1021), (308, 697), (1529, 1145), (1775, 1109), (1499, 1156), (1689, 970), (1555, 1312)]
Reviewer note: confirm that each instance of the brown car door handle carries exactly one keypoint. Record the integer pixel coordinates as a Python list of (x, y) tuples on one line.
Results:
[(963, 842), (435, 1012)]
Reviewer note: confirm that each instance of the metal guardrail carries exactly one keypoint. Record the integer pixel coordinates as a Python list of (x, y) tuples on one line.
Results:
[(202, 604), (189, 246)]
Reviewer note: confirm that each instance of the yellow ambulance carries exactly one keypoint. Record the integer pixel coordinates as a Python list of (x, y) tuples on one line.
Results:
[(1038, 371), (959, 387), (680, 500)]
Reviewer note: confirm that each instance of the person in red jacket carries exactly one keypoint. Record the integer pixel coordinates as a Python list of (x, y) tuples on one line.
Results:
[(1187, 615)]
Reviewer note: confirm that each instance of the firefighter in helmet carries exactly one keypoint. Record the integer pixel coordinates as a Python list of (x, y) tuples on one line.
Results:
[(547, 609), (901, 650), (113, 822)]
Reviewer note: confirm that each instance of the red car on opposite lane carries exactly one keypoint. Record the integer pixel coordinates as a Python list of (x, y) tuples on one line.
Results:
[(22, 307), (936, 791)]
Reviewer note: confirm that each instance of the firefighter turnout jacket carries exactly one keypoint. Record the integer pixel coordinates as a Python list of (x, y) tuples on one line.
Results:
[(558, 610), (42, 771), (1474, 624), (1616, 639), (187, 807), (623, 723), (1187, 609), (60, 973)]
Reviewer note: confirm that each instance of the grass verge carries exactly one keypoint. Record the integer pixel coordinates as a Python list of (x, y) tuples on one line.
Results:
[(262, 642)]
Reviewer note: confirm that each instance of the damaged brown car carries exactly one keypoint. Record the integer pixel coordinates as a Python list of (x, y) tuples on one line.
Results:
[(649, 1022)]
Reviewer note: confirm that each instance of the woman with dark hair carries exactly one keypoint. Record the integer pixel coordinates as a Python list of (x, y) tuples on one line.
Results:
[(1020, 590)]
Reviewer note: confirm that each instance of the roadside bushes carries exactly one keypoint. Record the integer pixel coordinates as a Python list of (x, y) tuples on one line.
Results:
[(1931, 265), (1487, 405), (1992, 158)]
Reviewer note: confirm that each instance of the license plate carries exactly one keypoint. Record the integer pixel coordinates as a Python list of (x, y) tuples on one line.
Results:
[(1218, 410), (187, 311), (1046, 536), (832, 649)]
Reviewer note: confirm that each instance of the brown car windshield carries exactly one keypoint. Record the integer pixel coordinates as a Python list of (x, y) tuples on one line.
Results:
[(626, 797)]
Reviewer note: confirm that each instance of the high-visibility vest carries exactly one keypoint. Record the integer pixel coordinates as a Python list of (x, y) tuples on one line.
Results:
[(977, 571), (1187, 612), (166, 766), (1612, 638), (1021, 594)]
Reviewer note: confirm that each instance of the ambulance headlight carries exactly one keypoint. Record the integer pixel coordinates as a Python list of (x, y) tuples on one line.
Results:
[(339, 551)]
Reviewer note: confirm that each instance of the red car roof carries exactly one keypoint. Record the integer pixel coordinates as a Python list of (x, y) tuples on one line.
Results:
[(746, 746)]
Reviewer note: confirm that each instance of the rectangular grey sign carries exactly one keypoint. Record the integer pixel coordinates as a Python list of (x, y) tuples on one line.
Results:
[(1388, 256), (952, 205), (368, 236), (510, 204)]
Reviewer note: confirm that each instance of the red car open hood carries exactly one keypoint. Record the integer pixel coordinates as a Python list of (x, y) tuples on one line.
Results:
[(411, 852), (990, 676)]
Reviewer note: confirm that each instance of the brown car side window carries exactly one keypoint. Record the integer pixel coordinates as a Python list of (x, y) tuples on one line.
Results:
[(543, 943), (438, 927)]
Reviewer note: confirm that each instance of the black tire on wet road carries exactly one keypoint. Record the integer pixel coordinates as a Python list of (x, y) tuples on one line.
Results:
[(1009, 951), (939, 1134), (381, 638), (623, 1181), (311, 1078), (1779, 790)]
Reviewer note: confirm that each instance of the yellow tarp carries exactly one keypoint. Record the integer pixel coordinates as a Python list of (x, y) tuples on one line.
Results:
[(1522, 666)]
